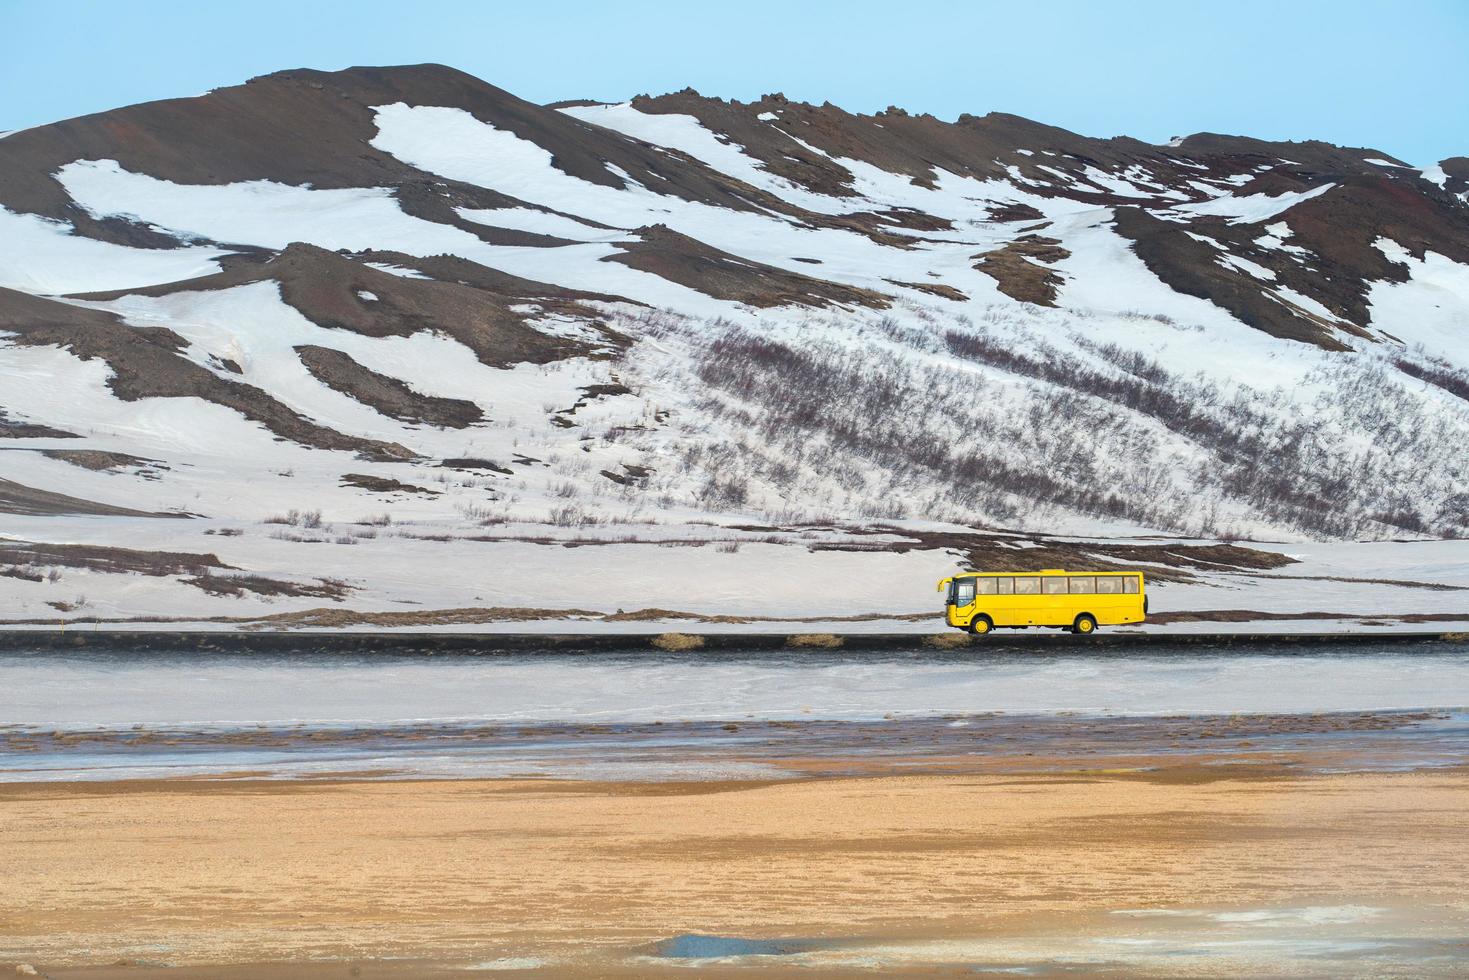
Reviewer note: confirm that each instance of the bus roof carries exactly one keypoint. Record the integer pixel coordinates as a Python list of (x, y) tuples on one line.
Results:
[(1057, 571)]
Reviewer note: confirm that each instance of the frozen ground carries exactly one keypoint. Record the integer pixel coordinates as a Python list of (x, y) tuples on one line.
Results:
[(533, 578)]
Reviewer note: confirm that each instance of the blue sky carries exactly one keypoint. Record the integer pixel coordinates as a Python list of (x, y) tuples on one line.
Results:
[(1385, 74)]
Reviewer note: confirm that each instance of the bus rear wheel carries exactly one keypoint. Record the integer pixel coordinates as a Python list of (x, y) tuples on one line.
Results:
[(981, 625), (1085, 625)]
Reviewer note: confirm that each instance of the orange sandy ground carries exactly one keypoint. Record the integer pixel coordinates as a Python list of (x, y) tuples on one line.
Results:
[(238, 879)]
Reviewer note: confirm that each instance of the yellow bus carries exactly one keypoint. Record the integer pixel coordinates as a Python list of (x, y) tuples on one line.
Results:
[(1079, 601)]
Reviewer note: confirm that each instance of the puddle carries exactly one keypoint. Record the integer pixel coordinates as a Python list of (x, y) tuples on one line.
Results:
[(693, 946)]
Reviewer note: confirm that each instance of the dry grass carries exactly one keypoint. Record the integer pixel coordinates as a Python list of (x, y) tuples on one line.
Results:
[(236, 586), (678, 642), (948, 641), (814, 641)]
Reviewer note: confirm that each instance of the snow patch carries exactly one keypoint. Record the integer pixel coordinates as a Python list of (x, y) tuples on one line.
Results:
[(1251, 208), (1435, 175), (539, 222), (40, 255)]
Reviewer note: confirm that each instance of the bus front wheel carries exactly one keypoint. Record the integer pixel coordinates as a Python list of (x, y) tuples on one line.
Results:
[(1085, 625), (981, 625)]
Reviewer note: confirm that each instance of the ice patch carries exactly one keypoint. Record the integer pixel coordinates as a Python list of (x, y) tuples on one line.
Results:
[(58, 691)]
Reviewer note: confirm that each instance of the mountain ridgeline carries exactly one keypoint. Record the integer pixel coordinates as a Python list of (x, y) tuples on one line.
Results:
[(404, 287)]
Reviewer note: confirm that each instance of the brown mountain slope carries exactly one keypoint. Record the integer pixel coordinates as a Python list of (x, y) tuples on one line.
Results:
[(487, 314)]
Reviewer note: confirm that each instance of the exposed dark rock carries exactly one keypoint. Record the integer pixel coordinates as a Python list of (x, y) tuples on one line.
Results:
[(16, 498), (933, 289), (99, 459), (471, 463), (15, 429), (387, 395), (678, 258), (382, 484), (1020, 268), (475, 307), (1193, 267)]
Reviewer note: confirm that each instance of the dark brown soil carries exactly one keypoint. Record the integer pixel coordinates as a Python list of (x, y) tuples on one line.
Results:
[(472, 463), (663, 252), (1192, 267), (16, 498), (99, 459), (1020, 268), (994, 552), (933, 289), (15, 429), (104, 559), (238, 585), (314, 127), (1015, 212), (382, 484), (387, 395), (474, 306)]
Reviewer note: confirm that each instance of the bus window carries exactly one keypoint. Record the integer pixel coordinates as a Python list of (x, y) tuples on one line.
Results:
[(1109, 584), (986, 584), (1083, 584), (1028, 585), (1056, 585), (1005, 586), (963, 591), (1129, 584)]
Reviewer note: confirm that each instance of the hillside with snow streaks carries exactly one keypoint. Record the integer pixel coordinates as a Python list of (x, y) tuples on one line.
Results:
[(348, 337)]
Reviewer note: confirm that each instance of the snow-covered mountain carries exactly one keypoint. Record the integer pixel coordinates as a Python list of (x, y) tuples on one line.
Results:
[(317, 303)]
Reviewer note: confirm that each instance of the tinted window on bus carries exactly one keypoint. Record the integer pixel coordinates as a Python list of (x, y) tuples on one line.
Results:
[(1005, 586), (1055, 586), (1083, 584), (986, 585), (1109, 584), (1029, 585), (963, 591), (1129, 584)]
